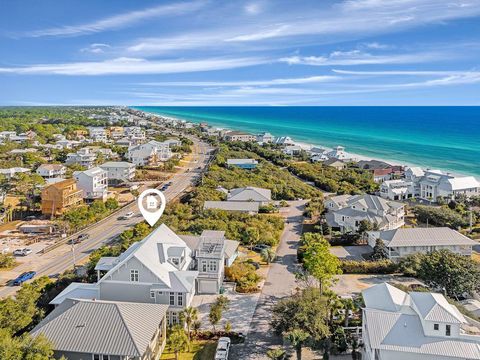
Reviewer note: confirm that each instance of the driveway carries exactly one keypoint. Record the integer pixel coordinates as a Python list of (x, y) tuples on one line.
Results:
[(351, 252), (350, 284), (280, 282)]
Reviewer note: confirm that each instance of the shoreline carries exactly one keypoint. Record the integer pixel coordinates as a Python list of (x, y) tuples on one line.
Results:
[(306, 146)]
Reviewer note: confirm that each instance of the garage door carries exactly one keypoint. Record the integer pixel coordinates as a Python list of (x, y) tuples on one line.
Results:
[(207, 287)]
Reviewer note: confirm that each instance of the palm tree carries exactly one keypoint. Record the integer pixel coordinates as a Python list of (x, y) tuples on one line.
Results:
[(268, 255), (297, 338), (189, 316), (177, 340)]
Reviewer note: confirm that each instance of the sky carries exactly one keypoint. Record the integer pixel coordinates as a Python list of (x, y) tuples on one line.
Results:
[(244, 53)]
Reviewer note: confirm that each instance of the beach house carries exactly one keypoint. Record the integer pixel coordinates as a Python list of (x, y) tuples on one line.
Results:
[(416, 326), (346, 212), (84, 157), (251, 194), (400, 189), (406, 241), (339, 153), (97, 134), (105, 330), (93, 183), (119, 171), (150, 153), (239, 136), (242, 163), (436, 184), (265, 138), (50, 171)]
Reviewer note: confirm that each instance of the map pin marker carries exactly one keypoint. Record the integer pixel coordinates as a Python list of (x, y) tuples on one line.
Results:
[(154, 205)]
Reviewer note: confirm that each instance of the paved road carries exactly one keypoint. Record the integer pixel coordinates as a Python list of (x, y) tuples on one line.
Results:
[(280, 282), (61, 259)]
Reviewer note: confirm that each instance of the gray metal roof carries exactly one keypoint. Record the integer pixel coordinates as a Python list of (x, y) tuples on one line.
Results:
[(102, 327), (249, 206), (424, 237), (250, 193)]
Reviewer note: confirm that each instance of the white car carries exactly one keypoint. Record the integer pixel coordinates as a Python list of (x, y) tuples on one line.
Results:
[(129, 215), (22, 252), (223, 347)]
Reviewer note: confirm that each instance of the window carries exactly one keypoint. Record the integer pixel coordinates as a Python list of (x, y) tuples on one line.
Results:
[(160, 293), (172, 298), (134, 275), (180, 299), (204, 265), (435, 327), (212, 265), (447, 330), (174, 318), (100, 357), (152, 294), (175, 261)]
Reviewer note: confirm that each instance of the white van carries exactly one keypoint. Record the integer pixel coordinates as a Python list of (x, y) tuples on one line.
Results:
[(222, 348)]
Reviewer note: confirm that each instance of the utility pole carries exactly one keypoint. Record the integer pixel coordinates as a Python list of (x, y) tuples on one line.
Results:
[(73, 254)]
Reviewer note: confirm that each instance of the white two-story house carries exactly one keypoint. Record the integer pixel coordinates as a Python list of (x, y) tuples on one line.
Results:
[(415, 326), (50, 171), (346, 212), (119, 171)]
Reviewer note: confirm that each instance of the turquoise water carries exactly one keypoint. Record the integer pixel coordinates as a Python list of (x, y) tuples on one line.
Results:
[(446, 138)]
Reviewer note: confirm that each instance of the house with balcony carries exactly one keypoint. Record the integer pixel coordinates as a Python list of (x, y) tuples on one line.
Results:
[(150, 153), (60, 196), (51, 171), (415, 326), (119, 171), (436, 184), (97, 134), (84, 157), (399, 189), (346, 212), (93, 183), (239, 136), (339, 153), (105, 330), (405, 241), (265, 138), (160, 269)]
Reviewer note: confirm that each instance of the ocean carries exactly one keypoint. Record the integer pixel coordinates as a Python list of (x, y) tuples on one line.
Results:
[(446, 138)]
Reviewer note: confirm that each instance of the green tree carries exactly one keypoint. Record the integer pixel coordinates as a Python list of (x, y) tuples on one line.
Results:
[(24, 347), (297, 337), (276, 354), (380, 251), (177, 340), (189, 316), (318, 260), (215, 315)]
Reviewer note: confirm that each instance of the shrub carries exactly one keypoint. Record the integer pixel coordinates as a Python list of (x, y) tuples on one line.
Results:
[(368, 267), (244, 275)]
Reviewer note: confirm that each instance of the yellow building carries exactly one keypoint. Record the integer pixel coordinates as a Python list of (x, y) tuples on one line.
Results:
[(58, 197)]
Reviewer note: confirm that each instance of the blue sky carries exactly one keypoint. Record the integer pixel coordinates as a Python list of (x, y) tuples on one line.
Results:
[(259, 52)]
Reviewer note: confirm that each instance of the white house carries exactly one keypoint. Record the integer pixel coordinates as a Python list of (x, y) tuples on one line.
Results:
[(11, 172), (435, 184), (265, 138), (406, 241), (415, 326), (292, 150), (93, 182), (339, 153), (346, 212), (84, 157), (50, 171), (149, 153), (97, 134), (400, 189), (160, 269), (283, 140), (119, 171)]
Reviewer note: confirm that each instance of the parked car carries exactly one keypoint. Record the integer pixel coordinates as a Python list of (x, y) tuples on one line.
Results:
[(22, 252), (223, 348), (261, 247), (82, 237), (24, 277)]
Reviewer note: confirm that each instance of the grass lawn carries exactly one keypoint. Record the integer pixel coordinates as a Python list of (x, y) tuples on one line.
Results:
[(201, 350)]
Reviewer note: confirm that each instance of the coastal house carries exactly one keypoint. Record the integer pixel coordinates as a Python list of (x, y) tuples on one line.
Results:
[(115, 132), (339, 153), (149, 153), (248, 207), (11, 172), (380, 170), (60, 196), (84, 157), (435, 184), (119, 171), (346, 212), (160, 269), (318, 157), (93, 183), (284, 141), (265, 138), (97, 134), (67, 144), (239, 136), (292, 150), (400, 189), (105, 330), (406, 241), (251, 194), (51, 171), (242, 163), (415, 326), (335, 163)]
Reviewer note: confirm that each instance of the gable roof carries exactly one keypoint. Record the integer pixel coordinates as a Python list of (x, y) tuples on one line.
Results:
[(77, 291), (460, 183), (424, 237), (384, 297), (434, 307), (250, 193), (102, 327)]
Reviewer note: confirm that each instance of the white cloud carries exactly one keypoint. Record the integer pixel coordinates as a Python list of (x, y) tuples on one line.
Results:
[(377, 46), (253, 8), (118, 21), (291, 81), (127, 66), (358, 57), (96, 48)]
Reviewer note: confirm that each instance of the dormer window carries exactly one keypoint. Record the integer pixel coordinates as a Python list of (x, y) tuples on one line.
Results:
[(175, 261)]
